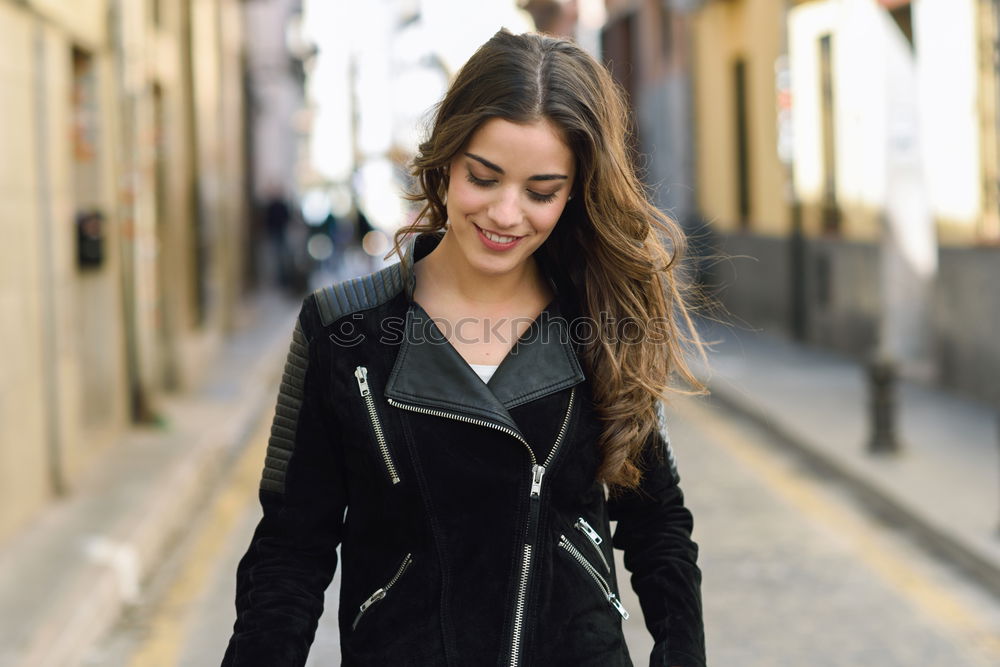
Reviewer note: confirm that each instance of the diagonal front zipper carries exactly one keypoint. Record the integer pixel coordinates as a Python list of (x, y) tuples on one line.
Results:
[(361, 373), (464, 418), (537, 474), (380, 594), (594, 539), (601, 582)]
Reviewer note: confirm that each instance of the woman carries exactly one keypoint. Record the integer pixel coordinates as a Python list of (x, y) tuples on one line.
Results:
[(467, 422)]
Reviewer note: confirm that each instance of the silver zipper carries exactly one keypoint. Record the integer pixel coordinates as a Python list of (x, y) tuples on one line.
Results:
[(361, 373), (464, 418), (562, 429), (537, 474), (595, 575), (522, 599), (382, 592), (594, 539)]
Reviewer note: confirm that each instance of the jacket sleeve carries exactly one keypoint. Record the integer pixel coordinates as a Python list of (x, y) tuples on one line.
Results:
[(654, 530), (281, 579)]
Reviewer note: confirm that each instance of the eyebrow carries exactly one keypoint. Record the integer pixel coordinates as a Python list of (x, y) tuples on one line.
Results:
[(494, 167)]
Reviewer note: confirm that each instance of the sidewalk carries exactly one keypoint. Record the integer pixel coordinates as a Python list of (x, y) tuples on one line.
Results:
[(943, 486), (67, 577)]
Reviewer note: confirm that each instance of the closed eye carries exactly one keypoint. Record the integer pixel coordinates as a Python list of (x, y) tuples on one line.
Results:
[(481, 182), (544, 199), (487, 182)]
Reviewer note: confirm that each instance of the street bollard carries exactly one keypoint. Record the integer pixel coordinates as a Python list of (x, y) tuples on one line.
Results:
[(882, 388)]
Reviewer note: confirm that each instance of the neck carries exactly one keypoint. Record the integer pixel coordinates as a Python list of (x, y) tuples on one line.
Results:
[(444, 271)]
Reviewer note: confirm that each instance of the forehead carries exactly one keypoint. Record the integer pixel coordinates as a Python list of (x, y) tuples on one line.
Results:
[(533, 147)]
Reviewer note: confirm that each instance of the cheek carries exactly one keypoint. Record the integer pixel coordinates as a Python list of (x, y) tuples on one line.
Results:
[(463, 197), (545, 222)]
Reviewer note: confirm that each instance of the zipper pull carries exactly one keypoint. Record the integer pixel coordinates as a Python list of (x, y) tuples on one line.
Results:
[(619, 607), (588, 531), (376, 596), (537, 471), (362, 374)]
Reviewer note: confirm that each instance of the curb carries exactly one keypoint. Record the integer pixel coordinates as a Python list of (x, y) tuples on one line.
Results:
[(109, 583), (938, 540)]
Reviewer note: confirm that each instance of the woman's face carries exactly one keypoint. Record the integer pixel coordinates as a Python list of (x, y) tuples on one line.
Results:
[(506, 190)]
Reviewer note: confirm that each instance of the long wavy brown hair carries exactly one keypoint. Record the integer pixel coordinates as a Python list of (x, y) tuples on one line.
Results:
[(612, 251)]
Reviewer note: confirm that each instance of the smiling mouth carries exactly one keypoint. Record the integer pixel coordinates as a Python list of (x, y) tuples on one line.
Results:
[(497, 238)]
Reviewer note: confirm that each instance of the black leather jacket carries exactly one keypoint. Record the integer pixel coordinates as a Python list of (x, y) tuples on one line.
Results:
[(472, 531)]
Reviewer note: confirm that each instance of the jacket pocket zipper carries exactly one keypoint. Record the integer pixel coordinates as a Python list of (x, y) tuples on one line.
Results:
[(380, 594), (361, 373), (595, 540), (601, 582)]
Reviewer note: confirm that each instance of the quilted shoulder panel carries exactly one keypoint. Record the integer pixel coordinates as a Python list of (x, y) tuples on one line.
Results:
[(281, 444), (661, 417), (357, 294)]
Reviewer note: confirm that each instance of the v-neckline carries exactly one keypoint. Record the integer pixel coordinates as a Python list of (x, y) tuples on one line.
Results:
[(531, 326), (429, 371)]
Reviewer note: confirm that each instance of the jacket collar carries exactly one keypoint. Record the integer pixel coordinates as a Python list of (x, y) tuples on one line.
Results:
[(430, 372)]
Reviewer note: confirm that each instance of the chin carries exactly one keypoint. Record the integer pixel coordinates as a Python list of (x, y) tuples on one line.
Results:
[(497, 267)]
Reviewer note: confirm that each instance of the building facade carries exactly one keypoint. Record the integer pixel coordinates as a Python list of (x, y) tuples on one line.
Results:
[(123, 196), (646, 45), (850, 148)]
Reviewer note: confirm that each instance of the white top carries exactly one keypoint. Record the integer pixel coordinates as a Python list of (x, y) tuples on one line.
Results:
[(484, 371)]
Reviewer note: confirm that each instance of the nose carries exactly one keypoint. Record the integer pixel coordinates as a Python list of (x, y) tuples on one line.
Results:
[(505, 211)]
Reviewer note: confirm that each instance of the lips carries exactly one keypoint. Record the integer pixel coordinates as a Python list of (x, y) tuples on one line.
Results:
[(506, 242)]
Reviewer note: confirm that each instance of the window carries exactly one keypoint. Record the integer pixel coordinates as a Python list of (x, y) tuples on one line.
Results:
[(85, 133), (742, 142)]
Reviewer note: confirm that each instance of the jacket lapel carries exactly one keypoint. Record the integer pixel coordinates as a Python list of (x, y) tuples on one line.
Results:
[(541, 362), (430, 373)]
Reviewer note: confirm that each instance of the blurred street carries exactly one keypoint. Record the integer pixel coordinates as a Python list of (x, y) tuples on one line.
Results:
[(176, 176)]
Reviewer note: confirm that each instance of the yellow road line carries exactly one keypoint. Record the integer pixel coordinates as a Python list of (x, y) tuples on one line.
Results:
[(168, 622), (872, 549)]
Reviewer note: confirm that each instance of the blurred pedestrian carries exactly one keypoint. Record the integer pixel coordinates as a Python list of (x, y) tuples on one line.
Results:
[(276, 219), (466, 423)]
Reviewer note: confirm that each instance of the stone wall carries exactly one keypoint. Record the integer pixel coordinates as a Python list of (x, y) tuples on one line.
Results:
[(966, 316)]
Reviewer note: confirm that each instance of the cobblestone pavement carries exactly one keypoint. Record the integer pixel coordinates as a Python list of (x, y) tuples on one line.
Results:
[(795, 572)]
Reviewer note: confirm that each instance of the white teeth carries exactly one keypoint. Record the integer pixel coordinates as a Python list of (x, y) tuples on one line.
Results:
[(496, 238)]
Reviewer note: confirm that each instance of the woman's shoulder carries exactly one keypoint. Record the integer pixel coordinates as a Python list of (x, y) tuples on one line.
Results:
[(353, 295)]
